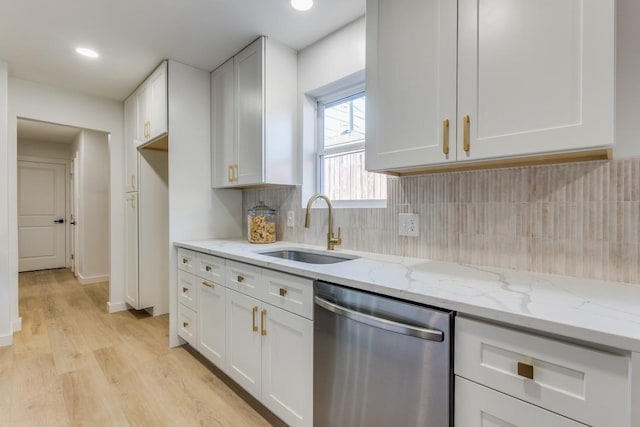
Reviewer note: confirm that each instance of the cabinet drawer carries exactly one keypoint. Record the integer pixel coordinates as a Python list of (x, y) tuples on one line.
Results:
[(188, 289), (291, 293), (585, 384), (187, 260), (188, 325), (244, 278), (210, 268), (479, 406)]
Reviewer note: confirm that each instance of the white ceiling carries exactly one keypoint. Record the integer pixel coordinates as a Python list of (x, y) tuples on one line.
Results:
[(46, 132), (38, 37)]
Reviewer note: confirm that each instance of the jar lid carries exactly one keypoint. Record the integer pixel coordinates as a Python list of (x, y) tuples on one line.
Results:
[(261, 209)]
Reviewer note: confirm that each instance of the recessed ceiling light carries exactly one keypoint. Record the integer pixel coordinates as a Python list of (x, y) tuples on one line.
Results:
[(302, 4), (89, 53)]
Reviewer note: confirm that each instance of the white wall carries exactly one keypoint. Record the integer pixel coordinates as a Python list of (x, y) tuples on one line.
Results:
[(46, 103), (6, 279), (338, 57), (92, 254), (45, 149), (195, 210)]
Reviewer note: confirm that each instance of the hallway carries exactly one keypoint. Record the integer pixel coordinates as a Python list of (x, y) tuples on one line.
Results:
[(74, 364)]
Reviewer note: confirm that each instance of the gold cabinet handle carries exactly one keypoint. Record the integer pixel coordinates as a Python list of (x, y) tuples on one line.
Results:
[(185, 290), (230, 173), (235, 172), (445, 137), (240, 279), (253, 324), (262, 322), (283, 292), (185, 260), (208, 285), (185, 324), (525, 370), (207, 268), (466, 143)]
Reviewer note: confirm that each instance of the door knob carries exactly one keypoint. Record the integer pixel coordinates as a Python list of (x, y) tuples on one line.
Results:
[(59, 221)]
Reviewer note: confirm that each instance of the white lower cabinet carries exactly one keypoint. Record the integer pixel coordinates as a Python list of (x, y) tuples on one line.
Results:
[(266, 347), (287, 365), (480, 406), (532, 373), (244, 341), (270, 354), (188, 325), (212, 301)]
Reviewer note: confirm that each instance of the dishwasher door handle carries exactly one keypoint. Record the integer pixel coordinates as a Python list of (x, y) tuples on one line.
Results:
[(377, 322)]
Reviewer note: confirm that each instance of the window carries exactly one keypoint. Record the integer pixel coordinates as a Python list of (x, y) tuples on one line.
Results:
[(340, 153)]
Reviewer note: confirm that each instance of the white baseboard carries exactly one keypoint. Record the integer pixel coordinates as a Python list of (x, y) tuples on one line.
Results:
[(16, 325), (6, 340), (113, 307), (92, 279)]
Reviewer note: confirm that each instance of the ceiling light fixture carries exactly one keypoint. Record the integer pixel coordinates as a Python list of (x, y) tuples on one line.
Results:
[(89, 53), (302, 4)]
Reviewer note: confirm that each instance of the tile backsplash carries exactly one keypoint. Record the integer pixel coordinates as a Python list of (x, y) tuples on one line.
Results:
[(578, 219)]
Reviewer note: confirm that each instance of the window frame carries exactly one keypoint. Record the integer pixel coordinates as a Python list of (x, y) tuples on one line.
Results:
[(321, 102)]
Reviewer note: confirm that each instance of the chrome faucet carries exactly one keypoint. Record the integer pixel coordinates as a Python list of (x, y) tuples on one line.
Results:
[(332, 241)]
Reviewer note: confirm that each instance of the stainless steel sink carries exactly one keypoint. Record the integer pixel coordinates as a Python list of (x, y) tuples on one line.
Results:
[(308, 256)]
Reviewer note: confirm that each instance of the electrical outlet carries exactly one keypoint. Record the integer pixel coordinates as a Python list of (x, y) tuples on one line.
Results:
[(408, 225), (290, 219)]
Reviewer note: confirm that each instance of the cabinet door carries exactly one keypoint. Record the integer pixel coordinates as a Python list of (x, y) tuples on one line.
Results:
[(131, 249), (249, 123), (535, 76), (130, 150), (244, 341), (411, 82), (212, 322), (157, 84), (287, 365), (479, 406), (222, 125), (142, 113)]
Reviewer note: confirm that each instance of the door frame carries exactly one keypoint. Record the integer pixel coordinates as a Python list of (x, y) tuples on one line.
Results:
[(67, 201)]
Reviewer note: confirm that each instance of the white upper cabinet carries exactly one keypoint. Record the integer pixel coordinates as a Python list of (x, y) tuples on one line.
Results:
[(151, 100), (534, 77), (253, 117), (222, 117), (411, 82), (130, 148)]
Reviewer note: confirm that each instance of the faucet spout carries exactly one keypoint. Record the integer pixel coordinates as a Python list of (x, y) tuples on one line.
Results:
[(332, 240)]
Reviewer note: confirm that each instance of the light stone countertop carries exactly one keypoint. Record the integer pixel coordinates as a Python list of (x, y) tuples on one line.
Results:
[(595, 311)]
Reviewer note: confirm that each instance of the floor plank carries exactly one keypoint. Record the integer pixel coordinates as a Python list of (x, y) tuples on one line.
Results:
[(74, 364)]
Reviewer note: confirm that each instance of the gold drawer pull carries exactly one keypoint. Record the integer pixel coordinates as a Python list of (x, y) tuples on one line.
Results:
[(466, 130), (208, 285), (283, 292), (445, 137), (185, 324), (229, 173), (185, 290), (208, 268), (240, 279), (254, 326), (185, 260), (525, 370), (262, 316)]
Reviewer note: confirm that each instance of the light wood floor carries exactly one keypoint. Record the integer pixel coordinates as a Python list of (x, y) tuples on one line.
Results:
[(74, 364)]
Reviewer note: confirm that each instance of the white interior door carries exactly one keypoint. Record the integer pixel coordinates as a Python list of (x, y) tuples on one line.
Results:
[(75, 193), (41, 215)]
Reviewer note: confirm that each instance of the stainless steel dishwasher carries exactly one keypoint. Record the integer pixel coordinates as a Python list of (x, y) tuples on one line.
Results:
[(380, 361)]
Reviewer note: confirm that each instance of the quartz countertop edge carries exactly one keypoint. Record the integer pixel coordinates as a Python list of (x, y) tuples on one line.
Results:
[(595, 311)]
